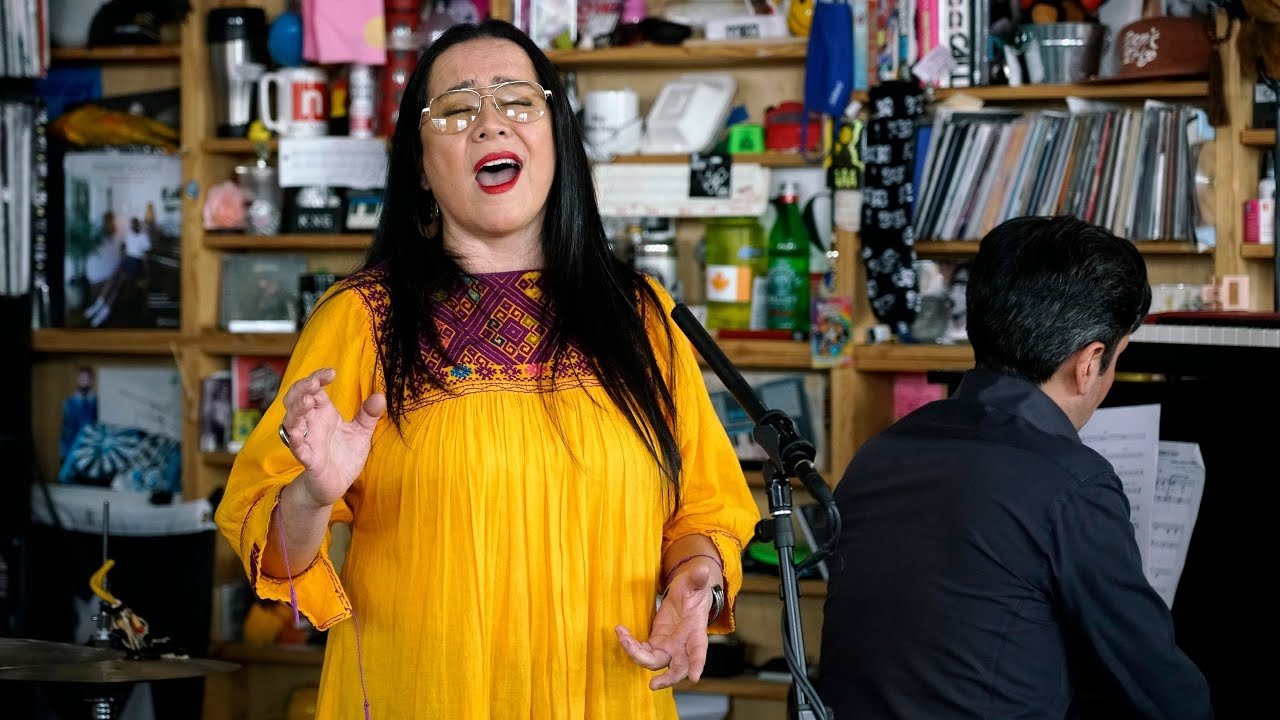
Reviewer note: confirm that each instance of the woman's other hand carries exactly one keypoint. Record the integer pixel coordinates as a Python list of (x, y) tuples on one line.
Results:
[(332, 450), (678, 641)]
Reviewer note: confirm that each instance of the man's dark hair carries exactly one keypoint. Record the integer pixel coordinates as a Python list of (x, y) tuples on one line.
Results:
[(1042, 288)]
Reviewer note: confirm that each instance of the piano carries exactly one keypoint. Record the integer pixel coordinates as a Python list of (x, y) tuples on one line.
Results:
[(1198, 343)]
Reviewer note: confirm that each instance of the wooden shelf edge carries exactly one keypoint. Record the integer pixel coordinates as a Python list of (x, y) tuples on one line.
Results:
[(245, 146), (1116, 90), (746, 353), (334, 241), (690, 53), (768, 585), (105, 342), (767, 159), (1254, 251), (218, 458), (304, 655), (749, 353), (118, 53), (747, 687), (221, 342), (898, 357), (233, 146), (1146, 247), (1254, 137)]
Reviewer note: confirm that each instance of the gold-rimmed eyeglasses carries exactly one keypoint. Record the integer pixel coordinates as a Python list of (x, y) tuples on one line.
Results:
[(453, 111)]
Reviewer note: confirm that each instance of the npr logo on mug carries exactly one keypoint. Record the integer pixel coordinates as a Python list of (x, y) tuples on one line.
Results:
[(309, 101)]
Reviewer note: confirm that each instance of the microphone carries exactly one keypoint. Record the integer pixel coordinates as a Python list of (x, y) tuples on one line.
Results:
[(775, 432)]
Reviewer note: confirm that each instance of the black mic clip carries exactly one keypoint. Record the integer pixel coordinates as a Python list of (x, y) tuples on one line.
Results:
[(787, 455)]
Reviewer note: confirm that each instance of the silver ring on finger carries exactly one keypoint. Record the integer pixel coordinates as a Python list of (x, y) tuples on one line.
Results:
[(284, 436)]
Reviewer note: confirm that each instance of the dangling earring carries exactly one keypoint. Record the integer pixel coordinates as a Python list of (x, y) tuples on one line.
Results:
[(431, 226)]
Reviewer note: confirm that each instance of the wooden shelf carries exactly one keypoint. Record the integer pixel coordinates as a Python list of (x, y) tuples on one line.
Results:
[(756, 354), (768, 159), (747, 687), (690, 54), (219, 458), (332, 241), (768, 585), (233, 146), (120, 53), (1095, 91), (767, 354), (1255, 251), (221, 342), (106, 342), (305, 655), (898, 357), (1257, 138), (970, 247)]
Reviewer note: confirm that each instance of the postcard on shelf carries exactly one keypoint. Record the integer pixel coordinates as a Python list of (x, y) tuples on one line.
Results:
[(148, 398), (215, 411), (802, 395), (122, 249), (133, 442), (254, 384), (260, 292)]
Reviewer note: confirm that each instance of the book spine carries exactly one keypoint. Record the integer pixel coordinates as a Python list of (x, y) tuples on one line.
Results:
[(957, 34), (41, 314)]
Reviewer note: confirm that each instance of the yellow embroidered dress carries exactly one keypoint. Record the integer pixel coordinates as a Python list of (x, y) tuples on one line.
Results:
[(488, 566)]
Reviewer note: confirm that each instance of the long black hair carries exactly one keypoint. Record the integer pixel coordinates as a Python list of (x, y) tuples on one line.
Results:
[(597, 303)]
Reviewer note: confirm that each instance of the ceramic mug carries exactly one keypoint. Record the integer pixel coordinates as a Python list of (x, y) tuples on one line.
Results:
[(612, 122), (302, 101)]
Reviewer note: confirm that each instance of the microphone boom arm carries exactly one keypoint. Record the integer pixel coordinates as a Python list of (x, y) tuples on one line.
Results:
[(789, 455)]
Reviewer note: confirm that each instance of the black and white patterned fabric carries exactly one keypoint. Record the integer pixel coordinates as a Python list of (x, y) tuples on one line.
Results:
[(888, 252)]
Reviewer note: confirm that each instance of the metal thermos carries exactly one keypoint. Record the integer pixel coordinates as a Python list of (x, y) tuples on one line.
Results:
[(237, 39)]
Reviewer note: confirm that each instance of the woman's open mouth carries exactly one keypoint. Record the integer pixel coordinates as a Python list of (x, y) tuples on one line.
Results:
[(498, 172)]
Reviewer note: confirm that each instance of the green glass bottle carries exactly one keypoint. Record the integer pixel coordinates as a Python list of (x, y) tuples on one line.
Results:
[(788, 258)]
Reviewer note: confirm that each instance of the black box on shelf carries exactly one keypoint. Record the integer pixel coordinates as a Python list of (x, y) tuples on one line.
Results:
[(1264, 106), (314, 210)]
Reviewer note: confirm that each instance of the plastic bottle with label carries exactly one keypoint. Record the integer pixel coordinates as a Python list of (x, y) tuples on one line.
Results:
[(736, 274), (788, 262)]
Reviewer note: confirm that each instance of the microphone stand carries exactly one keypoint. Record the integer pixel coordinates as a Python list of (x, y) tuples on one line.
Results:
[(789, 455)]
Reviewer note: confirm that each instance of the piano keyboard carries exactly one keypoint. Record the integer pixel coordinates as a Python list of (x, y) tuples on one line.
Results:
[(1208, 335)]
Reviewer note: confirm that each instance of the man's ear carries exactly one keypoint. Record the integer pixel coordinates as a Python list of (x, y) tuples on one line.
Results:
[(1087, 367)]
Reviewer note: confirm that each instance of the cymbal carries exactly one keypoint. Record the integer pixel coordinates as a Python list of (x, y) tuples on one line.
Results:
[(23, 652), (118, 671)]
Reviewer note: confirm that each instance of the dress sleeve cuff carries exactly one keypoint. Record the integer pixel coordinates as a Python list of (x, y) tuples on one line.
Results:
[(320, 595), (731, 559)]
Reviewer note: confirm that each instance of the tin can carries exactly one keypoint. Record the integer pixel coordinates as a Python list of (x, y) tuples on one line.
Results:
[(360, 111)]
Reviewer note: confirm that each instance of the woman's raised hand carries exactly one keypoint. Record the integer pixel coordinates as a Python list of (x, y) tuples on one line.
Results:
[(332, 450)]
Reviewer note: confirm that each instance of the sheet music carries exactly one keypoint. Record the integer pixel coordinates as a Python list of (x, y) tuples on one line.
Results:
[(1129, 438), (1164, 482), (1175, 504)]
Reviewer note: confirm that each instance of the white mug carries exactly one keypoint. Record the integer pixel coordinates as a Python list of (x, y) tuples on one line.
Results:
[(612, 122), (302, 101)]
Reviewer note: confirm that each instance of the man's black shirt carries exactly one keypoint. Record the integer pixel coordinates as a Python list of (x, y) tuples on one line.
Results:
[(988, 560)]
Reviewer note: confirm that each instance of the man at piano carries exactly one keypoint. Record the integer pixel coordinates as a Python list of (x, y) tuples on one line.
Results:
[(988, 567)]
